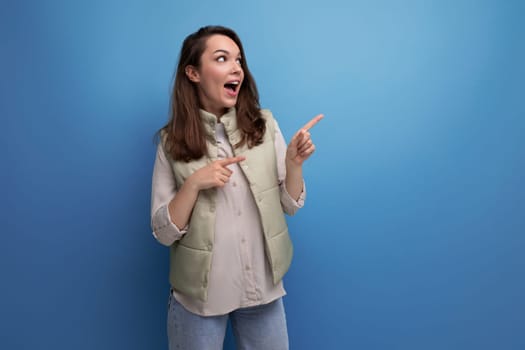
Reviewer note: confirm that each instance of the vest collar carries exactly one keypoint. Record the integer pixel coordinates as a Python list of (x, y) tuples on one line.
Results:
[(229, 120)]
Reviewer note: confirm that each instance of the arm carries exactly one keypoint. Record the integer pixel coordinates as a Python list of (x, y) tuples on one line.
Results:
[(215, 174), (294, 180), (290, 204), (300, 149), (181, 205), (163, 191), (171, 210)]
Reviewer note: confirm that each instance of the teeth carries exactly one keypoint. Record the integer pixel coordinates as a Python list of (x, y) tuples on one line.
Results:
[(232, 85)]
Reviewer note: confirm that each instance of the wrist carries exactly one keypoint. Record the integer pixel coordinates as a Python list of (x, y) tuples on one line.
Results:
[(293, 167), (190, 185)]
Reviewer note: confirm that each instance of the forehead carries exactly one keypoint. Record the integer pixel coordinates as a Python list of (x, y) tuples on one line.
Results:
[(221, 42)]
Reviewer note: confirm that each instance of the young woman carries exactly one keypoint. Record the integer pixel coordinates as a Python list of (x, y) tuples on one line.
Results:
[(222, 181)]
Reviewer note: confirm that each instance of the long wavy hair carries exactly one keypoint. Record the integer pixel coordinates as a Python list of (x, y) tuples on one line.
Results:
[(184, 136)]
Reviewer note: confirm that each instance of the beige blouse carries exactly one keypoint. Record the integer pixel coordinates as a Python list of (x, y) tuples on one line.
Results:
[(240, 274)]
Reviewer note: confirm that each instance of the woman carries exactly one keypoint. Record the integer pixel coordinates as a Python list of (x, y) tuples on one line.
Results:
[(222, 179)]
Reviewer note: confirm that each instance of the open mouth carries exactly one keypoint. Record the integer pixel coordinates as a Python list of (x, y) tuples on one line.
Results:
[(232, 86)]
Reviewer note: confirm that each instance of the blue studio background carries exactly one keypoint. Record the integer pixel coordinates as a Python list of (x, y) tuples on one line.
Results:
[(413, 233)]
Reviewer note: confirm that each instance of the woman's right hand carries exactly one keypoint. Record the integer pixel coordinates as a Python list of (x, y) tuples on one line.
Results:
[(215, 174)]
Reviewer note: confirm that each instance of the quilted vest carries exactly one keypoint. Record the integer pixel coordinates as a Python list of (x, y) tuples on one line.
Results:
[(191, 256)]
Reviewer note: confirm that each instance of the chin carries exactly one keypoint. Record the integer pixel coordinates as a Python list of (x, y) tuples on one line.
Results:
[(230, 105)]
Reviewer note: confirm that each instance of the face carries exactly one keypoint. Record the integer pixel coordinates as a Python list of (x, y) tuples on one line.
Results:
[(219, 76)]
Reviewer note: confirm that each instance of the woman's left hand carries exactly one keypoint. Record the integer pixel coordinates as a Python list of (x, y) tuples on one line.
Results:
[(301, 146)]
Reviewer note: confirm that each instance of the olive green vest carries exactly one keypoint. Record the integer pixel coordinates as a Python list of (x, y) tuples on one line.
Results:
[(191, 256)]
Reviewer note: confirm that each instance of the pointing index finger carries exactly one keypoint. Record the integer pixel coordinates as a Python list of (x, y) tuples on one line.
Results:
[(231, 160), (312, 122)]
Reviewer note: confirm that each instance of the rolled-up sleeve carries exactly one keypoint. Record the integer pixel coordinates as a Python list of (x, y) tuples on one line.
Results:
[(163, 189), (290, 205)]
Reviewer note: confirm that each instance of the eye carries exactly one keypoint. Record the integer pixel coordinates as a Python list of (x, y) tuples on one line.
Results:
[(221, 59), (239, 61)]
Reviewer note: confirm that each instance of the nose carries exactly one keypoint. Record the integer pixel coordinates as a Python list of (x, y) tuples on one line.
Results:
[(236, 67)]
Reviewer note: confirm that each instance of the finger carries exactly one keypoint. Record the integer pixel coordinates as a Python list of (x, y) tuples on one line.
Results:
[(220, 180), (224, 179), (312, 122), (231, 160), (305, 146), (225, 171), (296, 139), (308, 152), (304, 140), (219, 170)]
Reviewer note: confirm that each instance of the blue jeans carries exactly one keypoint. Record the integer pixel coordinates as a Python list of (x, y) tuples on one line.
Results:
[(261, 327)]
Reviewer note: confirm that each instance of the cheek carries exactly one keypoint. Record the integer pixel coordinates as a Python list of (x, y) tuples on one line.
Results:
[(207, 81), (214, 78)]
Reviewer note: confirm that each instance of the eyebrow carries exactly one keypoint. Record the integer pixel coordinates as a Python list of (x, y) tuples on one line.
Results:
[(225, 51)]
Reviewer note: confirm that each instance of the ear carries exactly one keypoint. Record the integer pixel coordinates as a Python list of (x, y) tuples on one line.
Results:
[(192, 73)]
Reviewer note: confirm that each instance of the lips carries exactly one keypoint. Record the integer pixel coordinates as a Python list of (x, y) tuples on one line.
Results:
[(232, 87)]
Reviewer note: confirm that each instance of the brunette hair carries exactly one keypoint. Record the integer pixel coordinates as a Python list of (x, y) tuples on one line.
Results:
[(184, 136)]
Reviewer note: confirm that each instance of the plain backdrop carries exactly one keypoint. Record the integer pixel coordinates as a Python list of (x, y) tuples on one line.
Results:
[(413, 232)]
